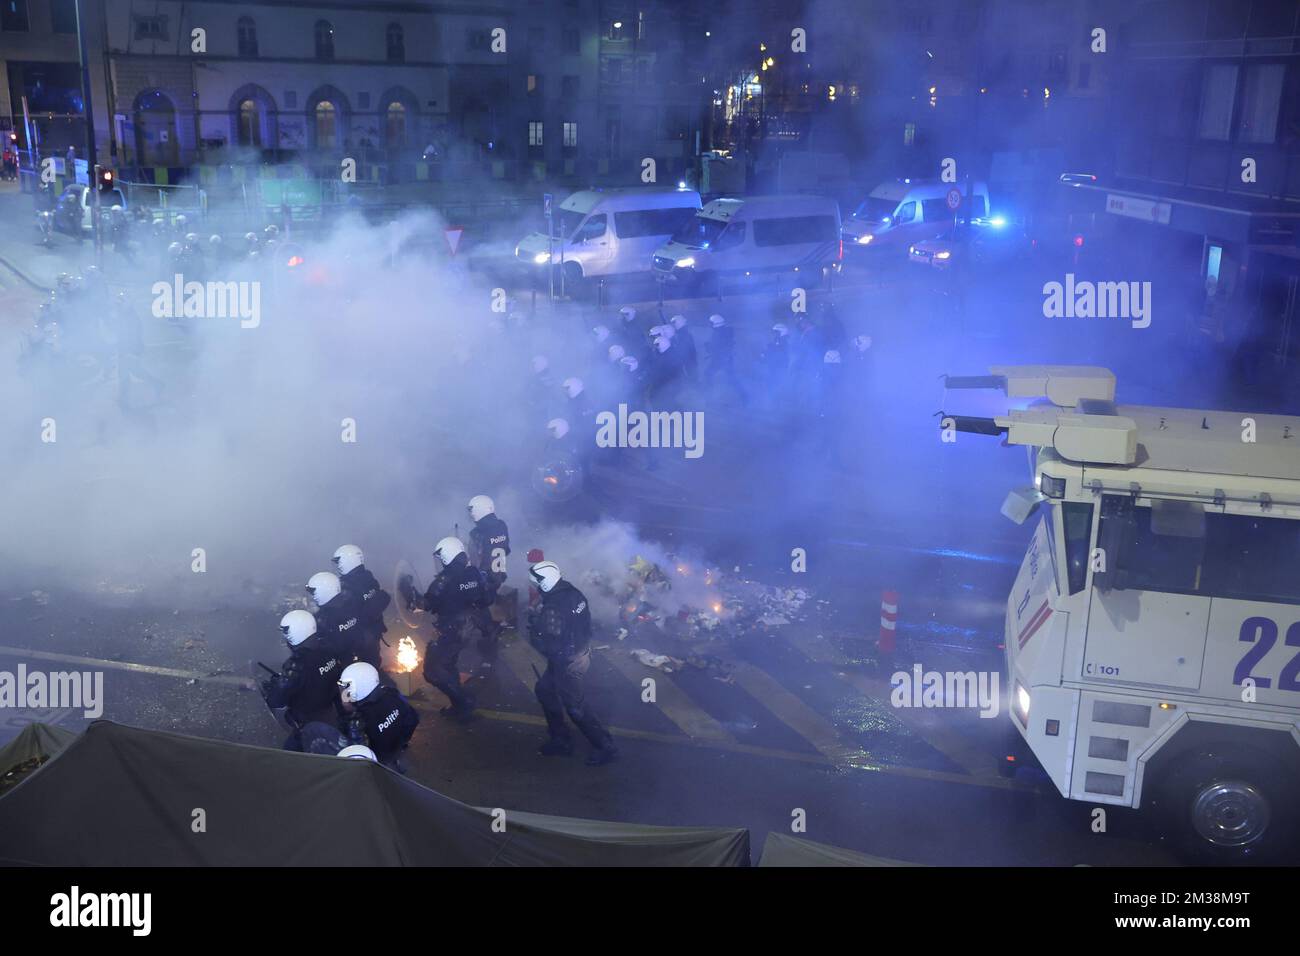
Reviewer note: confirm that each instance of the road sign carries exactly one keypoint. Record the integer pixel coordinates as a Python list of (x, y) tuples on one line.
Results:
[(953, 198), (546, 205), (453, 237)]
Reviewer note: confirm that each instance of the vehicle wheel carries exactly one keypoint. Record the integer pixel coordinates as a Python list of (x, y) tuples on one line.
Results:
[(1222, 804), (575, 286)]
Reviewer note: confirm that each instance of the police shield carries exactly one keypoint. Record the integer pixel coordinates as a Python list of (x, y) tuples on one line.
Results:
[(407, 581), (558, 478)]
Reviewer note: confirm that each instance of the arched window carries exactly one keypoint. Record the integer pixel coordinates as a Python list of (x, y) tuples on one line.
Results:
[(324, 40), (246, 30), (395, 126), (249, 132), (326, 125), (396, 44)]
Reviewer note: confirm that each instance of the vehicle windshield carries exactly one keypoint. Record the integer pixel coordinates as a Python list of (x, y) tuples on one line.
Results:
[(875, 209), (699, 231), (569, 223)]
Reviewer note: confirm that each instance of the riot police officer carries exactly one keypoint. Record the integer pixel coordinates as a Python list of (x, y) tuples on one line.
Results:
[(337, 616), (489, 544), (561, 630), (377, 715), (305, 686), (370, 599), (458, 589)]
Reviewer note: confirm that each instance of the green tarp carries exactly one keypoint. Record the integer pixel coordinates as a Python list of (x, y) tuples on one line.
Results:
[(121, 796), (783, 850)]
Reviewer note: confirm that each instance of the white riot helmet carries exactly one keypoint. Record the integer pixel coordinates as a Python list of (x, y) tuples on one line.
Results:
[(573, 387), (717, 321), (358, 752), (628, 313), (616, 353), (545, 574), (630, 362), (297, 626), (663, 343), (558, 427), (480, 506), (862, 343), (781, 329), (447, 549), (324, 587), (601, 332), (348, 558), (662, 331), (831, 358), (540, 364), (357, 682), (678, 321)]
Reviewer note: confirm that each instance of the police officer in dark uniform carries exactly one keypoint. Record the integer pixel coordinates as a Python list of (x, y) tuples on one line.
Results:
[(370, 599), (561, 630), (337, 614), (454, 594), (489, 543), (377, 716), (307, 685)]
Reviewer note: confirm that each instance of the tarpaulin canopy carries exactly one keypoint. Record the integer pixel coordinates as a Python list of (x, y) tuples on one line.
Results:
[(783, 850), (122, 796)]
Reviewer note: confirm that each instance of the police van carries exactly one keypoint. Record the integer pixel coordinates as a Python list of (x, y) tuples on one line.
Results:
[(755, 236), (1153, 631), (901, 212), (600, 233)]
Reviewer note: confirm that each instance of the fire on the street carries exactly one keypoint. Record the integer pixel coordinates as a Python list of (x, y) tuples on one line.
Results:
[(408, 658)]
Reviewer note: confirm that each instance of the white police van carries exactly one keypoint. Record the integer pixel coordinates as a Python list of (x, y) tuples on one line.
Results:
[(601, 233), (1153, 631), (755, 236), (901, 212)]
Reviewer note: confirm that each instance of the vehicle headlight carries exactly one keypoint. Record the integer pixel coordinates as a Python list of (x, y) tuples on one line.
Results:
[(943, 255), (864, 240), (911, 250), (542, 257), (685, 263), (1022, 703)]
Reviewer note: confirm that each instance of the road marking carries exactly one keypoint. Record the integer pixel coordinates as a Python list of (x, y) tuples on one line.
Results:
[(520, 657), (669, 698), (799, 717), (948, 742), (245, 682), (763, 683)]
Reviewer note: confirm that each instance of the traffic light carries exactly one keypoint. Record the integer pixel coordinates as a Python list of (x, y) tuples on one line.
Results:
[(105, 179)]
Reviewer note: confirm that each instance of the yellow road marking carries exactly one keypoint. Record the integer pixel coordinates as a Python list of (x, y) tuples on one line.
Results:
[(798, 716), (671, 700), (246, 682), (925, 724)]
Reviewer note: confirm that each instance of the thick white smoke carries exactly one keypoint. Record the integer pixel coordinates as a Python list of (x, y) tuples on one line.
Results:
[(243, 456)]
